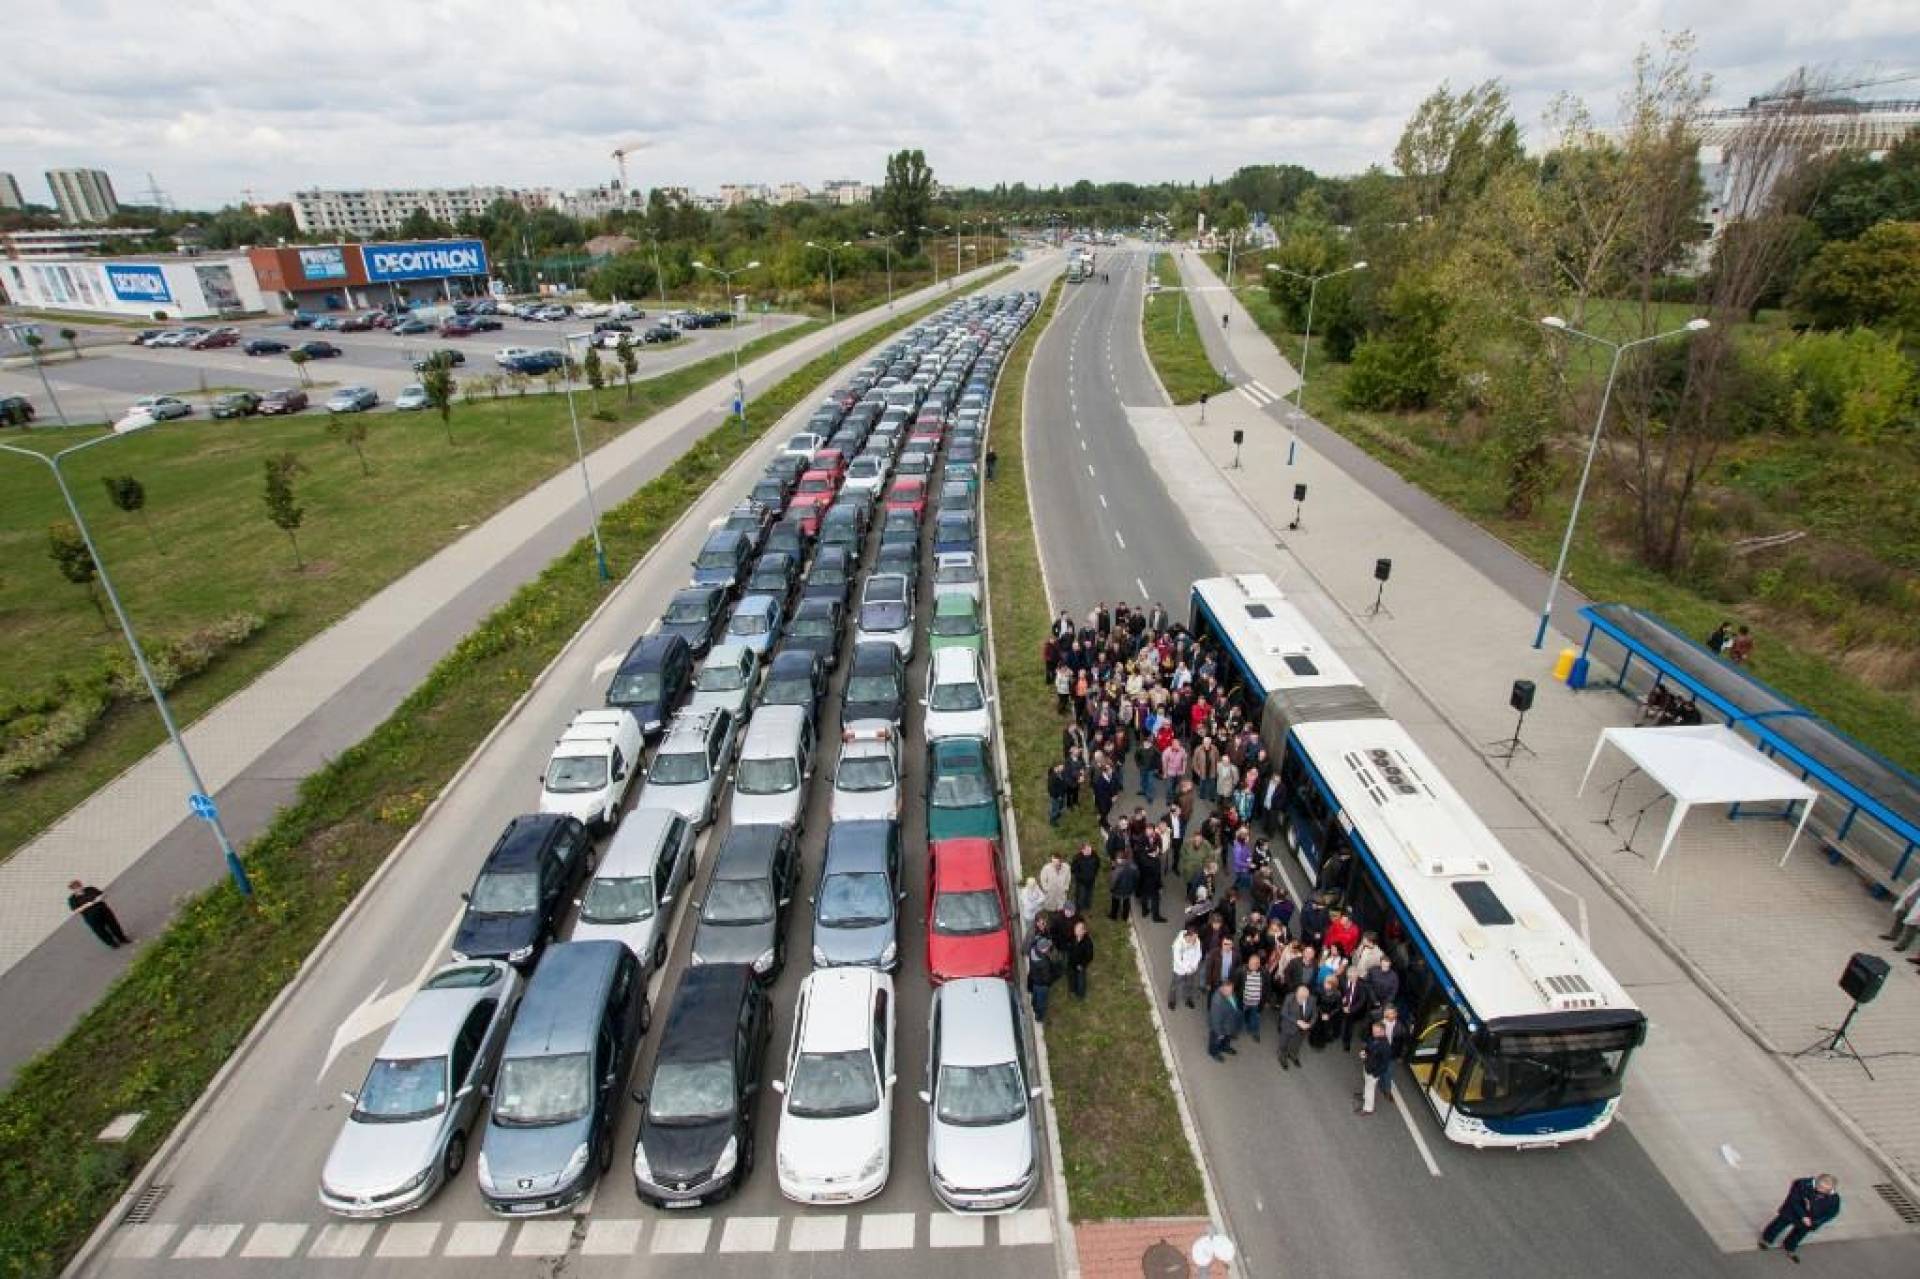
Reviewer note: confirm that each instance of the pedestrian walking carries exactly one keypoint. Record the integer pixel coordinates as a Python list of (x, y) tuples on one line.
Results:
[(1811, 1203), (1055, 879), (1121, 882), (91, 905), (1376, 1070), (1253, 992), (1186, 966), (1042, 972), (1085, 870), (1223, 1021), (993, 462), (1150, 882), (1079, 958), (1296, 1020)]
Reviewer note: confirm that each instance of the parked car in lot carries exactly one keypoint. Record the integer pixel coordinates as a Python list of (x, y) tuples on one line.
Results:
[(886, 621), (176, 337), (518, 899), (831, 575), (696, 1139), (961, 793), (288, 400), (866, 781), (756, 623), (691, 765), (412, 326), (446, 356), (697, 614), (775, 574), (955, 623), (213, 339), (318, 350), (235, 404), (982, 1146), (406, 1134), (835, 1140), (263, 346), (795, 677), (159, 408), (816, 628), (352, 399), (725, 680), (412, 398), (876, 685), (967, 930), (856, 909), (743, 915), (723, 560), (660, 333), (652, 679), (593, 763), (635, 892), (776, 763), (956, 699), (952, 532)]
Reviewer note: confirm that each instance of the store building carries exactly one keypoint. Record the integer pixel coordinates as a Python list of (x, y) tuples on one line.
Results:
[(366, 277), (171, 286)]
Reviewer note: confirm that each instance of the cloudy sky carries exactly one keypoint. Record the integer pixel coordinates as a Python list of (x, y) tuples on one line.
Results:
[(215, 97)]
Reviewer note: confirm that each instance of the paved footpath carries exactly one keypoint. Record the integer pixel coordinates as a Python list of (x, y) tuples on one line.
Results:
[(1735, 959), (133, 836)]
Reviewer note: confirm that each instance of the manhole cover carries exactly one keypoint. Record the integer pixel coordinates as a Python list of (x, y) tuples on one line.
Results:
[(143, 1208), (1897, 1200)]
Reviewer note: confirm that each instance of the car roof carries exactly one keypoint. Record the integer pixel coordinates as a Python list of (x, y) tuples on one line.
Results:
[(793, 661), (839, 1009), (818, 604), (427, 1025), (724, 537), (651, 650), (688, 730), (856, 846), (949, 751), (724, 655), (875, 654), (748, 851), (561, 1009), (955, 664), (837, 554), (518, 847), (976, 1022), (773, 730), (705, 1012), (962, 864), (954, 604), (757, 603), (635, 845)]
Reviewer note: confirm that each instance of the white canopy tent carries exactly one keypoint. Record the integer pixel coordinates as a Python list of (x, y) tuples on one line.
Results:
[(1704, 764)]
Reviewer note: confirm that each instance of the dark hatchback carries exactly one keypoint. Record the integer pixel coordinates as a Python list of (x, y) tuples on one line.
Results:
[(795, 677), (696, 1112), (876, 685), (288, 401), (652, 679), (519, 898), (815, 627), (697, 615), (831, 576)]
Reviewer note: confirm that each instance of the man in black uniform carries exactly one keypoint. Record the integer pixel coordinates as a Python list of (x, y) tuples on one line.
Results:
[(96, 914)]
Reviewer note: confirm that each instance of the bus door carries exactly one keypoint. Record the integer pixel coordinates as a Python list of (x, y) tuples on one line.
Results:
[(1438, 1058)]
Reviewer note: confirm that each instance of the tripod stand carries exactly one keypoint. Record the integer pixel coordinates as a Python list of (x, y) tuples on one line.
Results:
[(1379, 601), (1836, 1044), (1507, 747), (1235, 464)]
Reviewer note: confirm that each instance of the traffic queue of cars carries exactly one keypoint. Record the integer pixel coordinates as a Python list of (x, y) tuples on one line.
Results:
[(523, 1044)]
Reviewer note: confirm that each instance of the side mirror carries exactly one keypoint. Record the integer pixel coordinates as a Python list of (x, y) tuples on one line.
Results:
[(351, 1098), (926, 1096), (640, 1096), (1035, 1091), (466, 897), (890, 1079), (779, 1086)]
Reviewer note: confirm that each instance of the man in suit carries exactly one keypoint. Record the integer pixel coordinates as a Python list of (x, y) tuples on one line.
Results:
[(1224, 1021), (91, 905), (1811, 1203)]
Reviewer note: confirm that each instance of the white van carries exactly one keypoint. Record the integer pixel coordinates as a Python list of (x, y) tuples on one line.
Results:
[(593, 763)]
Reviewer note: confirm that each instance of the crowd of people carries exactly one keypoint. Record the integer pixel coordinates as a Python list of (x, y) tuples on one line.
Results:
[(1156, 737)]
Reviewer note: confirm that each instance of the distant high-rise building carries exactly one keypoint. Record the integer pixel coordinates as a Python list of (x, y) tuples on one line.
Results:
[(791, 193), (82, 195), (846, 191), (367, 213), (10, 197)]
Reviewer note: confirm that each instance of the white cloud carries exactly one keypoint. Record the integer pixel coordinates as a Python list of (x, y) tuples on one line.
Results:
[(269, 95)]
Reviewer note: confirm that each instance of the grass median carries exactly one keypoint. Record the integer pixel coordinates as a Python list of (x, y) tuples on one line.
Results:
[(1123, 1151), (1173, 340), (157, 1038)]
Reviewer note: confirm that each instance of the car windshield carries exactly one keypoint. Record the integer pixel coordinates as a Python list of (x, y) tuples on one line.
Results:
[(961, 574), (721, 679), (400, 1089), (679, 768), (957, 697), (767, 776), (635, 686), (954, 622), (688, 610), (872, 688), (769, 579), (966, 914), (864, 773), (811, 626), (860, 899), (748, 624), (787, 692), (980, 1096), (833, 1085), (718, 557), (574, 774), (830, 575), (686, 1092), (505, 893), (816, 484), (738, 901), (535, 1091), (960, 790), (618, 901), (886, 615), (947, 529)]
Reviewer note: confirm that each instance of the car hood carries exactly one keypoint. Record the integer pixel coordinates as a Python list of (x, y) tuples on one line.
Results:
[(370, 1160), (636, 936), (887, 712), (824, 645), (645, 712), (863, 945), (981, 820), (866, 805), (981, 1158), (538, 1155), (690, 800), (694, 633), (782, 809), (495, 936), (835, 1148), (950, 958), (682, 1155), (734, 943), (585, 806), (958, 724), (733, 701), (713, 577)]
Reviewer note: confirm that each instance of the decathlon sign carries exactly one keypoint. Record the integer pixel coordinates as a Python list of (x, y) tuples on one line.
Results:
[(138, 282), (323, 264), (425, 260)]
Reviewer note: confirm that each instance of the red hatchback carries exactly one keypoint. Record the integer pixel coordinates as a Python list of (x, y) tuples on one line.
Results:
[(815, 494), (909, 493), (967, 932), (832, 461)]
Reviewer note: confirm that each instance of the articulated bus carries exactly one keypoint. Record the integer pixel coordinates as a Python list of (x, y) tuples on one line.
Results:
[(1520, 1038)]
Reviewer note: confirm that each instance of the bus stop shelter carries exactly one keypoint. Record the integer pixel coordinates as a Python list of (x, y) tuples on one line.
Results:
[(1872, 819)]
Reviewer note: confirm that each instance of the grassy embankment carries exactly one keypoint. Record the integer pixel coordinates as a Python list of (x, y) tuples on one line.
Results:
[(1173, 340)]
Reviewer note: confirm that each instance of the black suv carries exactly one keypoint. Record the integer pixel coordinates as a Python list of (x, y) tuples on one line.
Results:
[(653, 677), (697, 615), (876, 685), (516, 904)]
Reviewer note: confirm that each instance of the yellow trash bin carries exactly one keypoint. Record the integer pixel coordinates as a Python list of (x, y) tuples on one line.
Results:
[(1563, 664)]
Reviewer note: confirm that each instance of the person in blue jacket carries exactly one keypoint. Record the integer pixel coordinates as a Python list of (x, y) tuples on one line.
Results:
[(1811, 1203)]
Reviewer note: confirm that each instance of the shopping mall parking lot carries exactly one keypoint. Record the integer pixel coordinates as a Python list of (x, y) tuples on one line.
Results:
[(111, 372)]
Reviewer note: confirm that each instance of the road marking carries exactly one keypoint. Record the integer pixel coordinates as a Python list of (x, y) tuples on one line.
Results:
[(750, 1234), (1028, 1226), (378, 1011), (1083, 446), (544, 1238), (817, 1234), (886, 1230), (1413, 1131), (1143, 587), (681, 1235), (276, 1240), (341, 1239), (1119, 539), (403, 1239), (144, 1242), (475, 1239), (609, 664), (1262, 387), (1103, 501), (611, 1237), (1089, 468), (206, 1243), (944, 1230), (1076, 424)]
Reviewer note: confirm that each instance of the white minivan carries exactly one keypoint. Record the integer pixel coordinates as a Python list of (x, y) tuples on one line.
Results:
[(593, 763), (773, 768), (956, 699), (835, 1143)]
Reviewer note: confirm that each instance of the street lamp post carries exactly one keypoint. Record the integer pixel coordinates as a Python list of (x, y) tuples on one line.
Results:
[(1619, 349), (28, 335), (580, 452), (833, 307), (659, 280), (934, 256), (199, 802), (1306, 339), (886, 246), (739, 387)]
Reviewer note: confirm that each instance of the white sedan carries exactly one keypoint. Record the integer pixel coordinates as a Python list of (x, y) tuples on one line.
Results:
[(835, 1143)]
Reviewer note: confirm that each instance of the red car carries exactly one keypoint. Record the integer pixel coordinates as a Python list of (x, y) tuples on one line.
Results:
[(457, 327), (925, 439), (909, 493), (967, 932), (217, 338), (811, 500), (832, 461)]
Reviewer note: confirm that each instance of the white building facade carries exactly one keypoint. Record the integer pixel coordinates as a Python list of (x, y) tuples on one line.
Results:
[(197, 287), (368, 213)]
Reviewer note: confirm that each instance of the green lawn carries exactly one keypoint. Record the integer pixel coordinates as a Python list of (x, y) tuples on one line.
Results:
[(1173, 342), (1123, 1151)]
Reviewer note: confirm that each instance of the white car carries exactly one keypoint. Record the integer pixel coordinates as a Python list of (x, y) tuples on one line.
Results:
[(506, 355), (160, 407), (866, 781), (956, 700), (866, 474), (956, 573), (804, 445), (593, 763), (835, 1143), (412, 398)]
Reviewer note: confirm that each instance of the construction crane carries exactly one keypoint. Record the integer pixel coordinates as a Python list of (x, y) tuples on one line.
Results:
[(620, 158)]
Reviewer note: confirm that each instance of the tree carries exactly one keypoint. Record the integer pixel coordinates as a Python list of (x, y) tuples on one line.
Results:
[(71, 338), (436, 379), (1454, 145), (629, 363), (1874, 279), (130, 495), (298, 359), (906, 197), (282, 508), (421, 225), (623, 278), (1858, 193), (596, 374), (351, 430), (75, 561)]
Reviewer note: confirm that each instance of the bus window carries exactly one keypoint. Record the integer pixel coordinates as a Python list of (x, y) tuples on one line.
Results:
[(1437, 1054)]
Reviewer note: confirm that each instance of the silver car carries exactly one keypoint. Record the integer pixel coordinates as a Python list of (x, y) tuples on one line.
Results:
[(956, 573), (725, 680), (866, 781), (691, 765), (886, 613), (776, 763), (406, 1134), (638, 884), (981, 1144)]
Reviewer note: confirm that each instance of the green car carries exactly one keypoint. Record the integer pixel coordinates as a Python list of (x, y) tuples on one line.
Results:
[(236, 404), (955, 623), (962, 798)]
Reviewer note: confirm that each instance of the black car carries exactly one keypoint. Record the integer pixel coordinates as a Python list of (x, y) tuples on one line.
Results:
[(480, 322), (697, 614), (831, 576), (844, 526), (517, 902), (652, 679), (743, 915), (445, 356), (660, 333), (876, 684), (788, 468), (15, 410), (775, 573), (789, 535), (795, 677), (815, 628), (263, 346), (753, 519), (770, 493), (318, 350), (696, 1111)]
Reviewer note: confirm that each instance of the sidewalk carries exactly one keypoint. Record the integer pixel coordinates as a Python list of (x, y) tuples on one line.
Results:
[(1726, 1114), (255, 747)]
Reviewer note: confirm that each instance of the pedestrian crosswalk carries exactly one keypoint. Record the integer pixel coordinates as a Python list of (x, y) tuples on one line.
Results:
[(1257, 393), (670, 1236)]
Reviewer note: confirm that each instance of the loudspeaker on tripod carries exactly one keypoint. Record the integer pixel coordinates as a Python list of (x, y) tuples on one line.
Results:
[(1382, 569), (1521, 699), (1239, 437), (1299, 492), (1863, 977)]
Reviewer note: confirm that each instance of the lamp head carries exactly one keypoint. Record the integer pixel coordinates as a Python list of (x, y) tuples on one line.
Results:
[(749, 266), (701, 266), (1553, 322), (1698, 323), (1361, 265)]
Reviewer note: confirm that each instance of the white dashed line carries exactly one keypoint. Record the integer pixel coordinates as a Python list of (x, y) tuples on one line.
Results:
[(1413, 1131), (682, 1235), (1143, 587), (886, 1231), (1119, 539), (817, 1234), (944, 1230), (342, 1239), (278, 1240), (1089, 468), (544, 1238), (403, 1239), (475, 1239), (1083, 446), (206, 1243), (753, 1234), (1103, 501), (611, 1237)]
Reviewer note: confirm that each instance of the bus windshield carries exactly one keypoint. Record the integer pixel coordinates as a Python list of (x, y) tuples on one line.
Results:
[(1528, 1073)]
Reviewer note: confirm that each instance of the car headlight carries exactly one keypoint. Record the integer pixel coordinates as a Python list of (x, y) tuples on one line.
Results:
[(696, 959), (521, 955), (459, 957), (819, 957), (576, 1163), (765, 961), (415, 1182), (877, 1158), (642, 1170), (652, 725), (485, 1173), (891, 953), (729, 1156)]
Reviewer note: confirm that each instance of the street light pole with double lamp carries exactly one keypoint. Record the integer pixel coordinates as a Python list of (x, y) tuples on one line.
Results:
[(1306, 339), (739, 387), (580, 452), (833, 307)]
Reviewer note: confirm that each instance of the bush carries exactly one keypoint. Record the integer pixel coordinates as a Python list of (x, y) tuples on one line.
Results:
[(1388, 374), (1857, 383)]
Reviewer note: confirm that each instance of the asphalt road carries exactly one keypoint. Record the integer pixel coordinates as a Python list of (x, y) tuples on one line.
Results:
[(241, 1181), (1308, 1188)]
